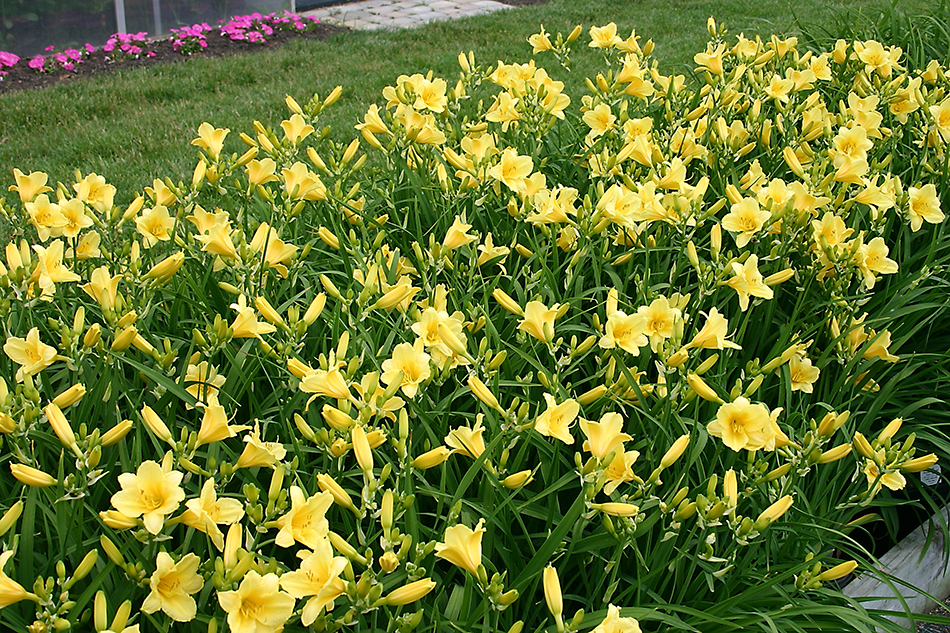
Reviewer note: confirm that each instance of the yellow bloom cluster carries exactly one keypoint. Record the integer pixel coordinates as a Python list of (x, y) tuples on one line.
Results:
[(301, 388)]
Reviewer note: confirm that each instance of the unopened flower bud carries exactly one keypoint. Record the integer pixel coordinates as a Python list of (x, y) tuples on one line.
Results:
[(675, 451), (116, 433), (833, 455), (71, 396), (156, 425), (431, 458), (410, 593), (31, 476), (616, 509)]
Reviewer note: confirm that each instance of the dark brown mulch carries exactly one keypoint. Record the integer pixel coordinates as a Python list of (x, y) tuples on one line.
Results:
[(22, 77)]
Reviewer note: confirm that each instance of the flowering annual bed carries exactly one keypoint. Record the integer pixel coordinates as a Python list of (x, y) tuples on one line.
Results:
[(649, 341), (239, 33)]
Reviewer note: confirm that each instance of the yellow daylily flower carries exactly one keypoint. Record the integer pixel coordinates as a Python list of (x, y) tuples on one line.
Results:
[(152, 492), (211, 139), (206, 512), (172, 585), (539, 320), (557, 419), (319, 577), (408, 364), (463, 546), (32, 354), (258, 605), (258, 452), (305, 522), (742, 425), (613, 623), (605, 436), (11, 591), (155, 225), (28, 187), (748, 282)]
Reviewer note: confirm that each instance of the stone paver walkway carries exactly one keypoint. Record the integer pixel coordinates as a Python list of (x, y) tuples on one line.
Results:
[(382, 14)]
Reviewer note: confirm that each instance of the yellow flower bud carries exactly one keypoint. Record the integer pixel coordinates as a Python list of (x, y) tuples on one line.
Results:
[(268, 312), (552, 592), (156, 425), (792, 161), (341, 545), (678, 358), (517, 480), (364, 454), (61, 427), (774, 512), (409, 593), (71, 396), (336, 419), (593, 394), (675, 451), (92, 336), (32, 476), (393, 298), (702, 389), (111, 550), (165, 269), (617, 509), (116, 433), (832, 422), (293, 105), (833, 455), (333, 96), (124, 339), (507, 302), (836, 572), (730, 487), (431, 458), (862, 445), (389, 562), (10, 516), (328, 238), (779, 277), (451, 340), (481, 391), (919, 464), (315, 309), (891, 429), (85, 566)]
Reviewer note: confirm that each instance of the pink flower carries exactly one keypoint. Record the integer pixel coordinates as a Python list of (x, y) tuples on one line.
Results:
[(37, 63), (8, 59), (90, 48), (69, 65), (151, 54), (49, 48)]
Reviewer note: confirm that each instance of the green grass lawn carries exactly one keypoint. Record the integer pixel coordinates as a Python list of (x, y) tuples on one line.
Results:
[(134, 125)]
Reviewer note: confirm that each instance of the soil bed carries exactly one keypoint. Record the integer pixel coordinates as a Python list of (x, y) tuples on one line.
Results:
[(22, 77)]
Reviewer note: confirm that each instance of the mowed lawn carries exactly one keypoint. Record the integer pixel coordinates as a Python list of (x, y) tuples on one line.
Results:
[(132, 126)]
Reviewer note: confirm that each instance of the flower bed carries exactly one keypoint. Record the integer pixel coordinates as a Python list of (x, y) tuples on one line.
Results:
[(123, 50), (649, 341)]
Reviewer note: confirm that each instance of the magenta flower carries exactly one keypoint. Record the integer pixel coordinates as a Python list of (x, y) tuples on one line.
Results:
[(37, 63), (8, 59)]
